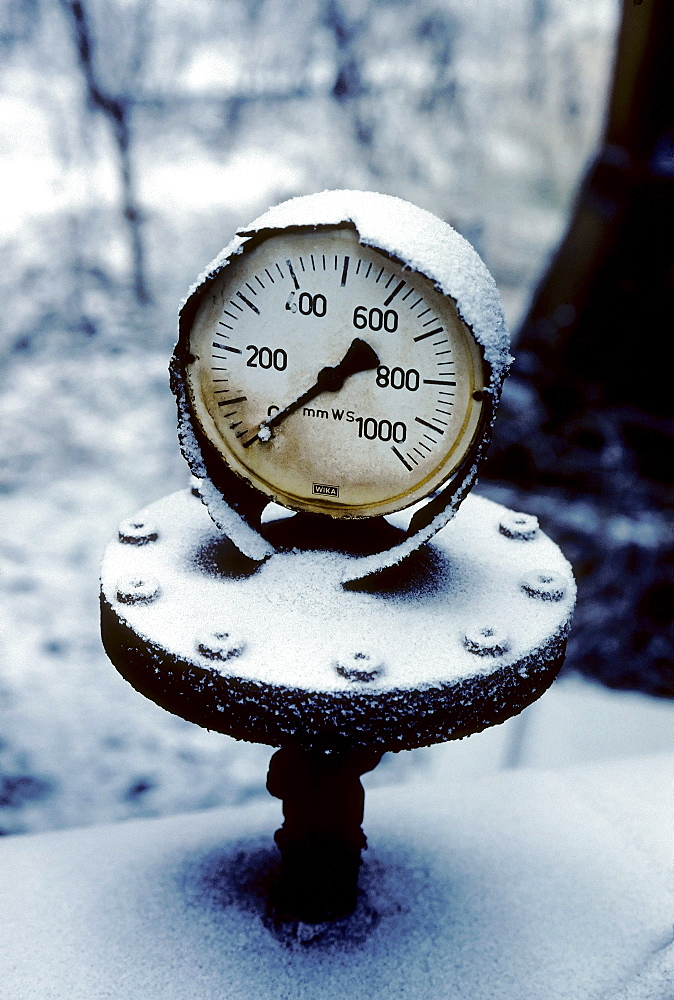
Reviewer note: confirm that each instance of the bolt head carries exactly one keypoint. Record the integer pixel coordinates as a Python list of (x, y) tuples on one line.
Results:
[(545, 586), (136, 531), (220, 646), (519, 527), (486, 640), (359, 667), (137, 590)]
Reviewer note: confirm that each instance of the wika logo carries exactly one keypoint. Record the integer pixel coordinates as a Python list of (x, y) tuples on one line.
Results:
[(326, 491)]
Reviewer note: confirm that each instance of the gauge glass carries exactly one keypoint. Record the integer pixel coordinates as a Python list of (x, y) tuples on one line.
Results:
[(332, 377)]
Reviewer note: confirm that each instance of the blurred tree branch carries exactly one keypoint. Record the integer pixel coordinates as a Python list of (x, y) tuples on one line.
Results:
[(117, 110)]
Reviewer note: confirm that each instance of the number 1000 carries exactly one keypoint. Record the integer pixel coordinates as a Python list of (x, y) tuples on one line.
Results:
[(384, 430)]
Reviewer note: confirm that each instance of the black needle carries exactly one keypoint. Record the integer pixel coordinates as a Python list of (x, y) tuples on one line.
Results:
[(360, 357)]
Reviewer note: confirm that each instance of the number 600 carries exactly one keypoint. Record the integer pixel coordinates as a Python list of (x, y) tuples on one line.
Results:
[(375, 319)]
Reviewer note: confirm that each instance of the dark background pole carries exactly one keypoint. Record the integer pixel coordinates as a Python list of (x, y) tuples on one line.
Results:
[(587, 419), (598, 334)]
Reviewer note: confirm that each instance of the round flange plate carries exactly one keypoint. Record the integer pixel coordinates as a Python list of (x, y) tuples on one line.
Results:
[(461, 635)]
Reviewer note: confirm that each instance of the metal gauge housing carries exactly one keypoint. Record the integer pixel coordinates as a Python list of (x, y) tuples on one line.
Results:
[(330, 369)]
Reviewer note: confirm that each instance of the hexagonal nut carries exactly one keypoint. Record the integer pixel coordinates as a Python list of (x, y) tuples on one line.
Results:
[(359, 667), (545, 586), (486, 640), (136, 531), (220, 645), (520, 527), (137, 590)]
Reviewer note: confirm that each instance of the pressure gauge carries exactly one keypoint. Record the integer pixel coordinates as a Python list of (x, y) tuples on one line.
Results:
[(342, 357)]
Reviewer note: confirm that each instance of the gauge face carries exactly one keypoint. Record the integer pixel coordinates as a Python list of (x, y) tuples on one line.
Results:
[(333, 378)]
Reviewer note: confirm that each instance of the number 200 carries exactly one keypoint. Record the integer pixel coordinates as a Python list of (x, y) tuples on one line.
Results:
[(266, 358)]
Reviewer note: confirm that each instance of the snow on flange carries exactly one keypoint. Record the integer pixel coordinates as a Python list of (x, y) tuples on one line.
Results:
[(423, 243), (281, 654)]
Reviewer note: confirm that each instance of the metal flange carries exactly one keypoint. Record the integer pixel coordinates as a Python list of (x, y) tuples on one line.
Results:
[(461, 635)]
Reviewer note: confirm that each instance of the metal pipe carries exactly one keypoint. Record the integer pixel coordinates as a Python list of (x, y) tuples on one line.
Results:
[(321, 838)]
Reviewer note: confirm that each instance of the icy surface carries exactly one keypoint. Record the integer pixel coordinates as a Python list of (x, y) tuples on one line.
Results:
[(544, 885)]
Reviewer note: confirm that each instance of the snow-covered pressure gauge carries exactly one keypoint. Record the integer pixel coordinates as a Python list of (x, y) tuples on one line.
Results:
[(327, 586), (343, 356)]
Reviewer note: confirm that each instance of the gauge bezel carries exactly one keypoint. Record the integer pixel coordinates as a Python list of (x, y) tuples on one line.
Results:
[(245, 463), (419, 242)]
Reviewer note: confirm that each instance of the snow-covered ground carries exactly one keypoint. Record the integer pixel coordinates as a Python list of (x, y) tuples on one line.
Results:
[(531, 860), (549, 885)]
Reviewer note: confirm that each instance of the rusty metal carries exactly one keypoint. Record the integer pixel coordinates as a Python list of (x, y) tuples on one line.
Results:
[(321, 839)]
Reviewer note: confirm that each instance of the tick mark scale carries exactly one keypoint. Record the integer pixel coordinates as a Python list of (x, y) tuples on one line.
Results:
[(251, 305), (289, 265), (401, 457), (398, 288), (345, 272), (431, 333), (438, 430)]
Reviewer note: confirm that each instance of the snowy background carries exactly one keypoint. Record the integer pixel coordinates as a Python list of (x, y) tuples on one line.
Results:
[(135, 137)]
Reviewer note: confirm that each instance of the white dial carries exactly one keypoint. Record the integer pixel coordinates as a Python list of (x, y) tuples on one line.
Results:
[(332, 377)]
